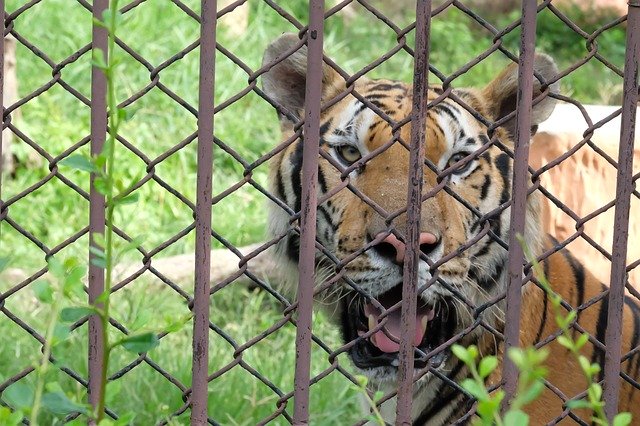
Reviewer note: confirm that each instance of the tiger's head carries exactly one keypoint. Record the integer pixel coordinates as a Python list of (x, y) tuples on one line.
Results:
[(362, 188)]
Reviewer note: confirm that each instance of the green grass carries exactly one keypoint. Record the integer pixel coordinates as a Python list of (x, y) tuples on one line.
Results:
[(158, 30), (236, 397)]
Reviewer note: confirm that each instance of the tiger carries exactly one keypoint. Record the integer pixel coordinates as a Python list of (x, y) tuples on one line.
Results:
[(352, 225)]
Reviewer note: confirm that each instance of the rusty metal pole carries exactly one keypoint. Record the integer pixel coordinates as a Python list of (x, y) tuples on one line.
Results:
[(2, 100), (200, 364), (97, 204), (414, 203), (306, 261), (519, 192), (2, 129), (624, 188)]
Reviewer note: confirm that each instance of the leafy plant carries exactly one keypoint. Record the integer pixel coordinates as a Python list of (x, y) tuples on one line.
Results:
[(371, 400), (106, 183), (530, 364), (68, 276)]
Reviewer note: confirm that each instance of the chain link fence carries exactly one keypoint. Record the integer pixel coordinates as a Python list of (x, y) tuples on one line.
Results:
[(265, 347)]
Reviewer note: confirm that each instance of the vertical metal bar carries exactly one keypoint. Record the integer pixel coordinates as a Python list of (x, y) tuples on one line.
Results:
[(519, 191), (306, 261), (202, 286), (414, 204), (3, 118), (624, 189), (97, 203), (2, 99)]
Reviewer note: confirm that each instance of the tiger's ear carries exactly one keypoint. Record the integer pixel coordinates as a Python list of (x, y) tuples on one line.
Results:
[(285, 81), (501, 93)]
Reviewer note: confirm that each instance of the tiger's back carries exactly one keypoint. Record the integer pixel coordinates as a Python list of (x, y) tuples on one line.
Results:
[(571, 280)]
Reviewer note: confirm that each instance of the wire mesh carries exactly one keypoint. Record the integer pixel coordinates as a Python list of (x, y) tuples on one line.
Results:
[(163, 166)]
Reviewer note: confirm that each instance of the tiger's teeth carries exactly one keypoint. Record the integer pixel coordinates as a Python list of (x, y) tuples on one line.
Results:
[(372, 325), (395, 362), (372, 321), (424, 322)]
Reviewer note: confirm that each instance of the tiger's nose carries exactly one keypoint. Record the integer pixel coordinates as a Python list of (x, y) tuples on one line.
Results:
[(394, 249)]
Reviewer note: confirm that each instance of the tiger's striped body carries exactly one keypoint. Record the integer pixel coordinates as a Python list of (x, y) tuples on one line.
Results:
[(363, 180)]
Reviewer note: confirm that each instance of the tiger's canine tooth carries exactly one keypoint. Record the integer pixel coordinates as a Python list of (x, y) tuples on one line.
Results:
[(372, 321)]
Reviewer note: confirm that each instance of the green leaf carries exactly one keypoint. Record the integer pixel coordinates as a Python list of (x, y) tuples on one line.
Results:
[(594, 391), (76, 274), (126, 114), (97, 252), (473, 351), (139, 343), (76, 313), (9, 418), (107, 148), (488, 408), (60, 333), (516, 417), (476, 389), (56, 268), (141, 319), (102, 298), (581, 341), (99, 23), (133, 244), (564, 322), (79, 162), (98, 240), (4, 262), (125, 419), (487, 365), (71, 262), (175, 325), (539, 355), (100, 161), (100, 263), (578, 403), (566, 342), (362, 380), (531, 393), (518, 357), (110, 19), (102, 185), (19, 396), (462, 354), (58, 403), (43, 291), (98, 59), (53, 387), (585, 364), (73, 284), (129, 199), (599, 422), (622, 419)]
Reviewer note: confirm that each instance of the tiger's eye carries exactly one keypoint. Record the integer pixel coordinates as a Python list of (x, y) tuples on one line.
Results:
[(457, 157), (348, 154)]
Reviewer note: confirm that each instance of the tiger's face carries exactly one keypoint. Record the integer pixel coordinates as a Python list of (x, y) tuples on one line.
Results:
[(361, 218)]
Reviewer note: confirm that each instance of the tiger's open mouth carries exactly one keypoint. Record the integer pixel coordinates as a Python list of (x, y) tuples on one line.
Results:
[(434, 326)]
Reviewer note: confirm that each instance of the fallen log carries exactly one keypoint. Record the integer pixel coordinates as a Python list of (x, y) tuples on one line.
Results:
[(225, 267)]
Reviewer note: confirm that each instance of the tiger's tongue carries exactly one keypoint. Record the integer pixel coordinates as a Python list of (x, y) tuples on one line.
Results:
[(393, 327)]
